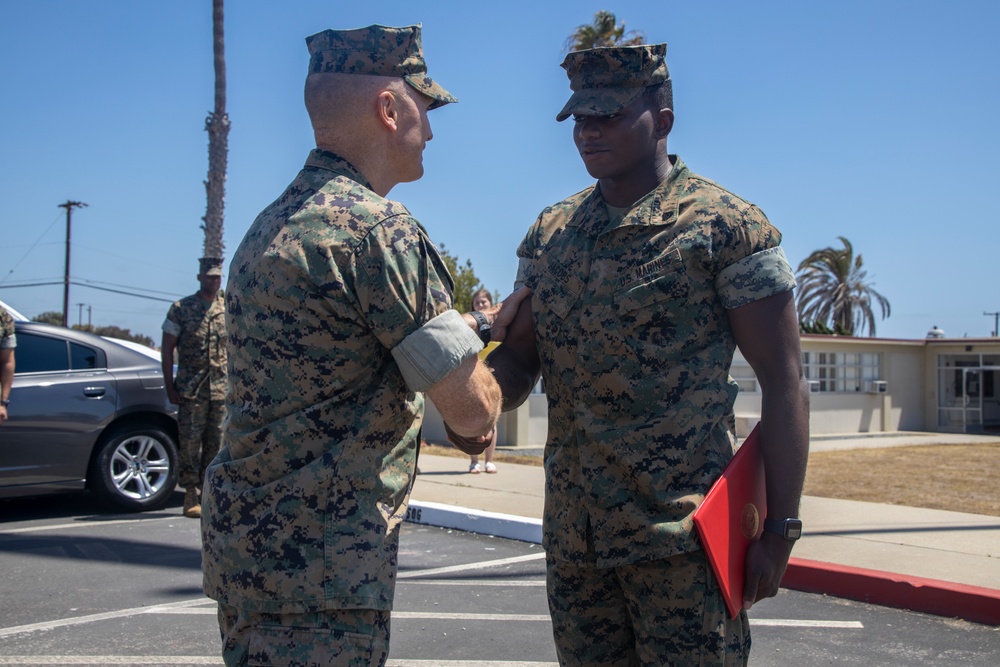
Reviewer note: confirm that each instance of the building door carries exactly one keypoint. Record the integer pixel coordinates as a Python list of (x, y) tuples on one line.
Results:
[(972, 399), (968, 400)]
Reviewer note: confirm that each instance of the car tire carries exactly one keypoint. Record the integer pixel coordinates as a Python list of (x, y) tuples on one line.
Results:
[(135, 468)]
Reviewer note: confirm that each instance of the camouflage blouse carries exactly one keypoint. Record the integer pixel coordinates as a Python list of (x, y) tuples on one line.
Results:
[(303, 504), (200, 329), (8, 337), (635, 344)]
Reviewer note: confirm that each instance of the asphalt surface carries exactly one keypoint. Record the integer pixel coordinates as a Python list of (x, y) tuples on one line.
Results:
[(82, 587)]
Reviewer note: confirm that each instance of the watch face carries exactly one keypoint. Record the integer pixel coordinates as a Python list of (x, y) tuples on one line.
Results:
[(793, 529)]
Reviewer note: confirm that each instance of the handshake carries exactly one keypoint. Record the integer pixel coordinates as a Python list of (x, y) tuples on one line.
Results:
[(468, 426)]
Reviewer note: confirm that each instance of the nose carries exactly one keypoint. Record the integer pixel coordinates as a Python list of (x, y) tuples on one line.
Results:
[(587, 127)]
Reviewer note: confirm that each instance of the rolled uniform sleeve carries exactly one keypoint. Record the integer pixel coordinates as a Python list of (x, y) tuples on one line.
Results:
[(428, 354), (171, 327), (405, 293), (757, 276)]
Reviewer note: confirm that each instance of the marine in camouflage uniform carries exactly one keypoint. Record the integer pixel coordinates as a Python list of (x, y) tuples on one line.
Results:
[(8, 341), (340, 317), (196, 327), (639, 297)]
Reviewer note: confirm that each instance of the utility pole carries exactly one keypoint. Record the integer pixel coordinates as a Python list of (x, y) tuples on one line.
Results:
[(69, 206), (79, 317), (996, 322)]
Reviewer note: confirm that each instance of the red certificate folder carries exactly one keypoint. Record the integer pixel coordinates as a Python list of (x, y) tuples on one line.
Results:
[(732, 516)]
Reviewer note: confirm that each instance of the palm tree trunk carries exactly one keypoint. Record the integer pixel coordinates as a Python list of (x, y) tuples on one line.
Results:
[(217, 126)]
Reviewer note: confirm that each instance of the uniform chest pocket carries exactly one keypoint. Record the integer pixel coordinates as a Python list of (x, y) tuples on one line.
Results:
[(554, 287), (649, 293), (653, 318)]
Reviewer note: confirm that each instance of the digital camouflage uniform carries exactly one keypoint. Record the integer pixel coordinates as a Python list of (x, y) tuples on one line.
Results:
[(310, 488), (635, 345), (200, 329), (8, 339)]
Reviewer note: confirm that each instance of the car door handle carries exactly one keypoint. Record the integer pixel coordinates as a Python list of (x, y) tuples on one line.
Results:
[(94, 392)]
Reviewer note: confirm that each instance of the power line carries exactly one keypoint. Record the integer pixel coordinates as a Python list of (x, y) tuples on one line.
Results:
[(33, 245), (78, 283), (141, 289), (118, 291)]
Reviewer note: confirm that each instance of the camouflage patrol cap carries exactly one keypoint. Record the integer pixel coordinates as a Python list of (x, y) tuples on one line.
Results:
[(605, 80), (378, 50), (210, 266)]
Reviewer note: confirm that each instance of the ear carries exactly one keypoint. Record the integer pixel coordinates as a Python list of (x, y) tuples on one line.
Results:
[(387, 108), (664, 123)]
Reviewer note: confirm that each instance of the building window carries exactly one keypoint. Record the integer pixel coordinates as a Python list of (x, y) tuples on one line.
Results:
[(841, 372), (744, 376)]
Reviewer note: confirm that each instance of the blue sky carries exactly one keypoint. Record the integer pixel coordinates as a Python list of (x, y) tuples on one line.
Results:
[(871, 120)]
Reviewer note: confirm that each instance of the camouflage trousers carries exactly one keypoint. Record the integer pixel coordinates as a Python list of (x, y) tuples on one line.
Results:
[(199, 425), (335, 638), (655, 613)]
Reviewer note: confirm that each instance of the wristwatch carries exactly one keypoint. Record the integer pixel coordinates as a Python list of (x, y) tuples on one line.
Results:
[(790, 529), (5, 402), (483, 324)]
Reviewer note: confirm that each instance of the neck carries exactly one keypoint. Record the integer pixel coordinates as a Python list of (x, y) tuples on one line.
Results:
[(623, 191)]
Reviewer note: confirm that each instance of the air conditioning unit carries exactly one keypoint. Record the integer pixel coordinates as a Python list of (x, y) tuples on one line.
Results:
[(813, 386), (876, 387)]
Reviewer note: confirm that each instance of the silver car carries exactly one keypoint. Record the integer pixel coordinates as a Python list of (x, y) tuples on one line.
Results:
[(87, 412)]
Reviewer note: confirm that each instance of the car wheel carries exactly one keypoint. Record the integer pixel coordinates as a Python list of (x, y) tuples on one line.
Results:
[(135, 468)]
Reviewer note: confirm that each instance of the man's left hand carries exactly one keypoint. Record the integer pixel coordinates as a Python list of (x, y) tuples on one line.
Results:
[(766, 561), (471, 446)]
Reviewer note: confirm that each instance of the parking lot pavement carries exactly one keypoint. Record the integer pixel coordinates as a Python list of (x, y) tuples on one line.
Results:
[(92, 589)]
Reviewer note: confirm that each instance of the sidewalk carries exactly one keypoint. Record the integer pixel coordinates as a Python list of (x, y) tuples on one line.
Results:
[(944, 563)]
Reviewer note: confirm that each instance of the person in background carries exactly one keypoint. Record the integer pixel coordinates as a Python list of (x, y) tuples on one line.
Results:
[(8, 341), (196, 327), (481, 301)]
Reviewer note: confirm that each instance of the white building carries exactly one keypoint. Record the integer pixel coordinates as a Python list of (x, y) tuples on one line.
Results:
[(857, 385)]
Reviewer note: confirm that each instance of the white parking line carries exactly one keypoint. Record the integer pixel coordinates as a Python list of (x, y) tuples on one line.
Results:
[(544, 618), (72, 660), (68, 660), (478, 583), (470, 566), (804, 623), (121, 613), (82, 524)]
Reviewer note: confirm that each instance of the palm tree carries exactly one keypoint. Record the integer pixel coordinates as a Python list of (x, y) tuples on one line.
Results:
[(217, 126), (604, 31), (834, 291)]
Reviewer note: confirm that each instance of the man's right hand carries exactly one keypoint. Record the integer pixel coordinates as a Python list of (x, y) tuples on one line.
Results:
[(172, 394), (502, 314)]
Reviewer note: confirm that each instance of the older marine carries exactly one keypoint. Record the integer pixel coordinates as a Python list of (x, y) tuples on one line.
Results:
[(340, 318)]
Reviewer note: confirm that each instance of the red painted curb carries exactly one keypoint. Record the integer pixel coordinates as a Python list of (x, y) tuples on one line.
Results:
[(931, 596)]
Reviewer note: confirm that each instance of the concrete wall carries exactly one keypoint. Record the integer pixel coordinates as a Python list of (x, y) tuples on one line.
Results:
[(908, 366), (901, 409), (525, 427)]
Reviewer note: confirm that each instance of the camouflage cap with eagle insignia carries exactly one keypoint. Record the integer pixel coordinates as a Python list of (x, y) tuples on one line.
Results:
[(378, 50), (605, 80)]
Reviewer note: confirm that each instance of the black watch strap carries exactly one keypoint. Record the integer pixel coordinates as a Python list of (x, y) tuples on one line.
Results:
[(483, 326), (5, 402), (790, 529)]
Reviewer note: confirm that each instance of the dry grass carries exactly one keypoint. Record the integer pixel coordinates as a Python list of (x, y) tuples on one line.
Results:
[(961, 478)]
